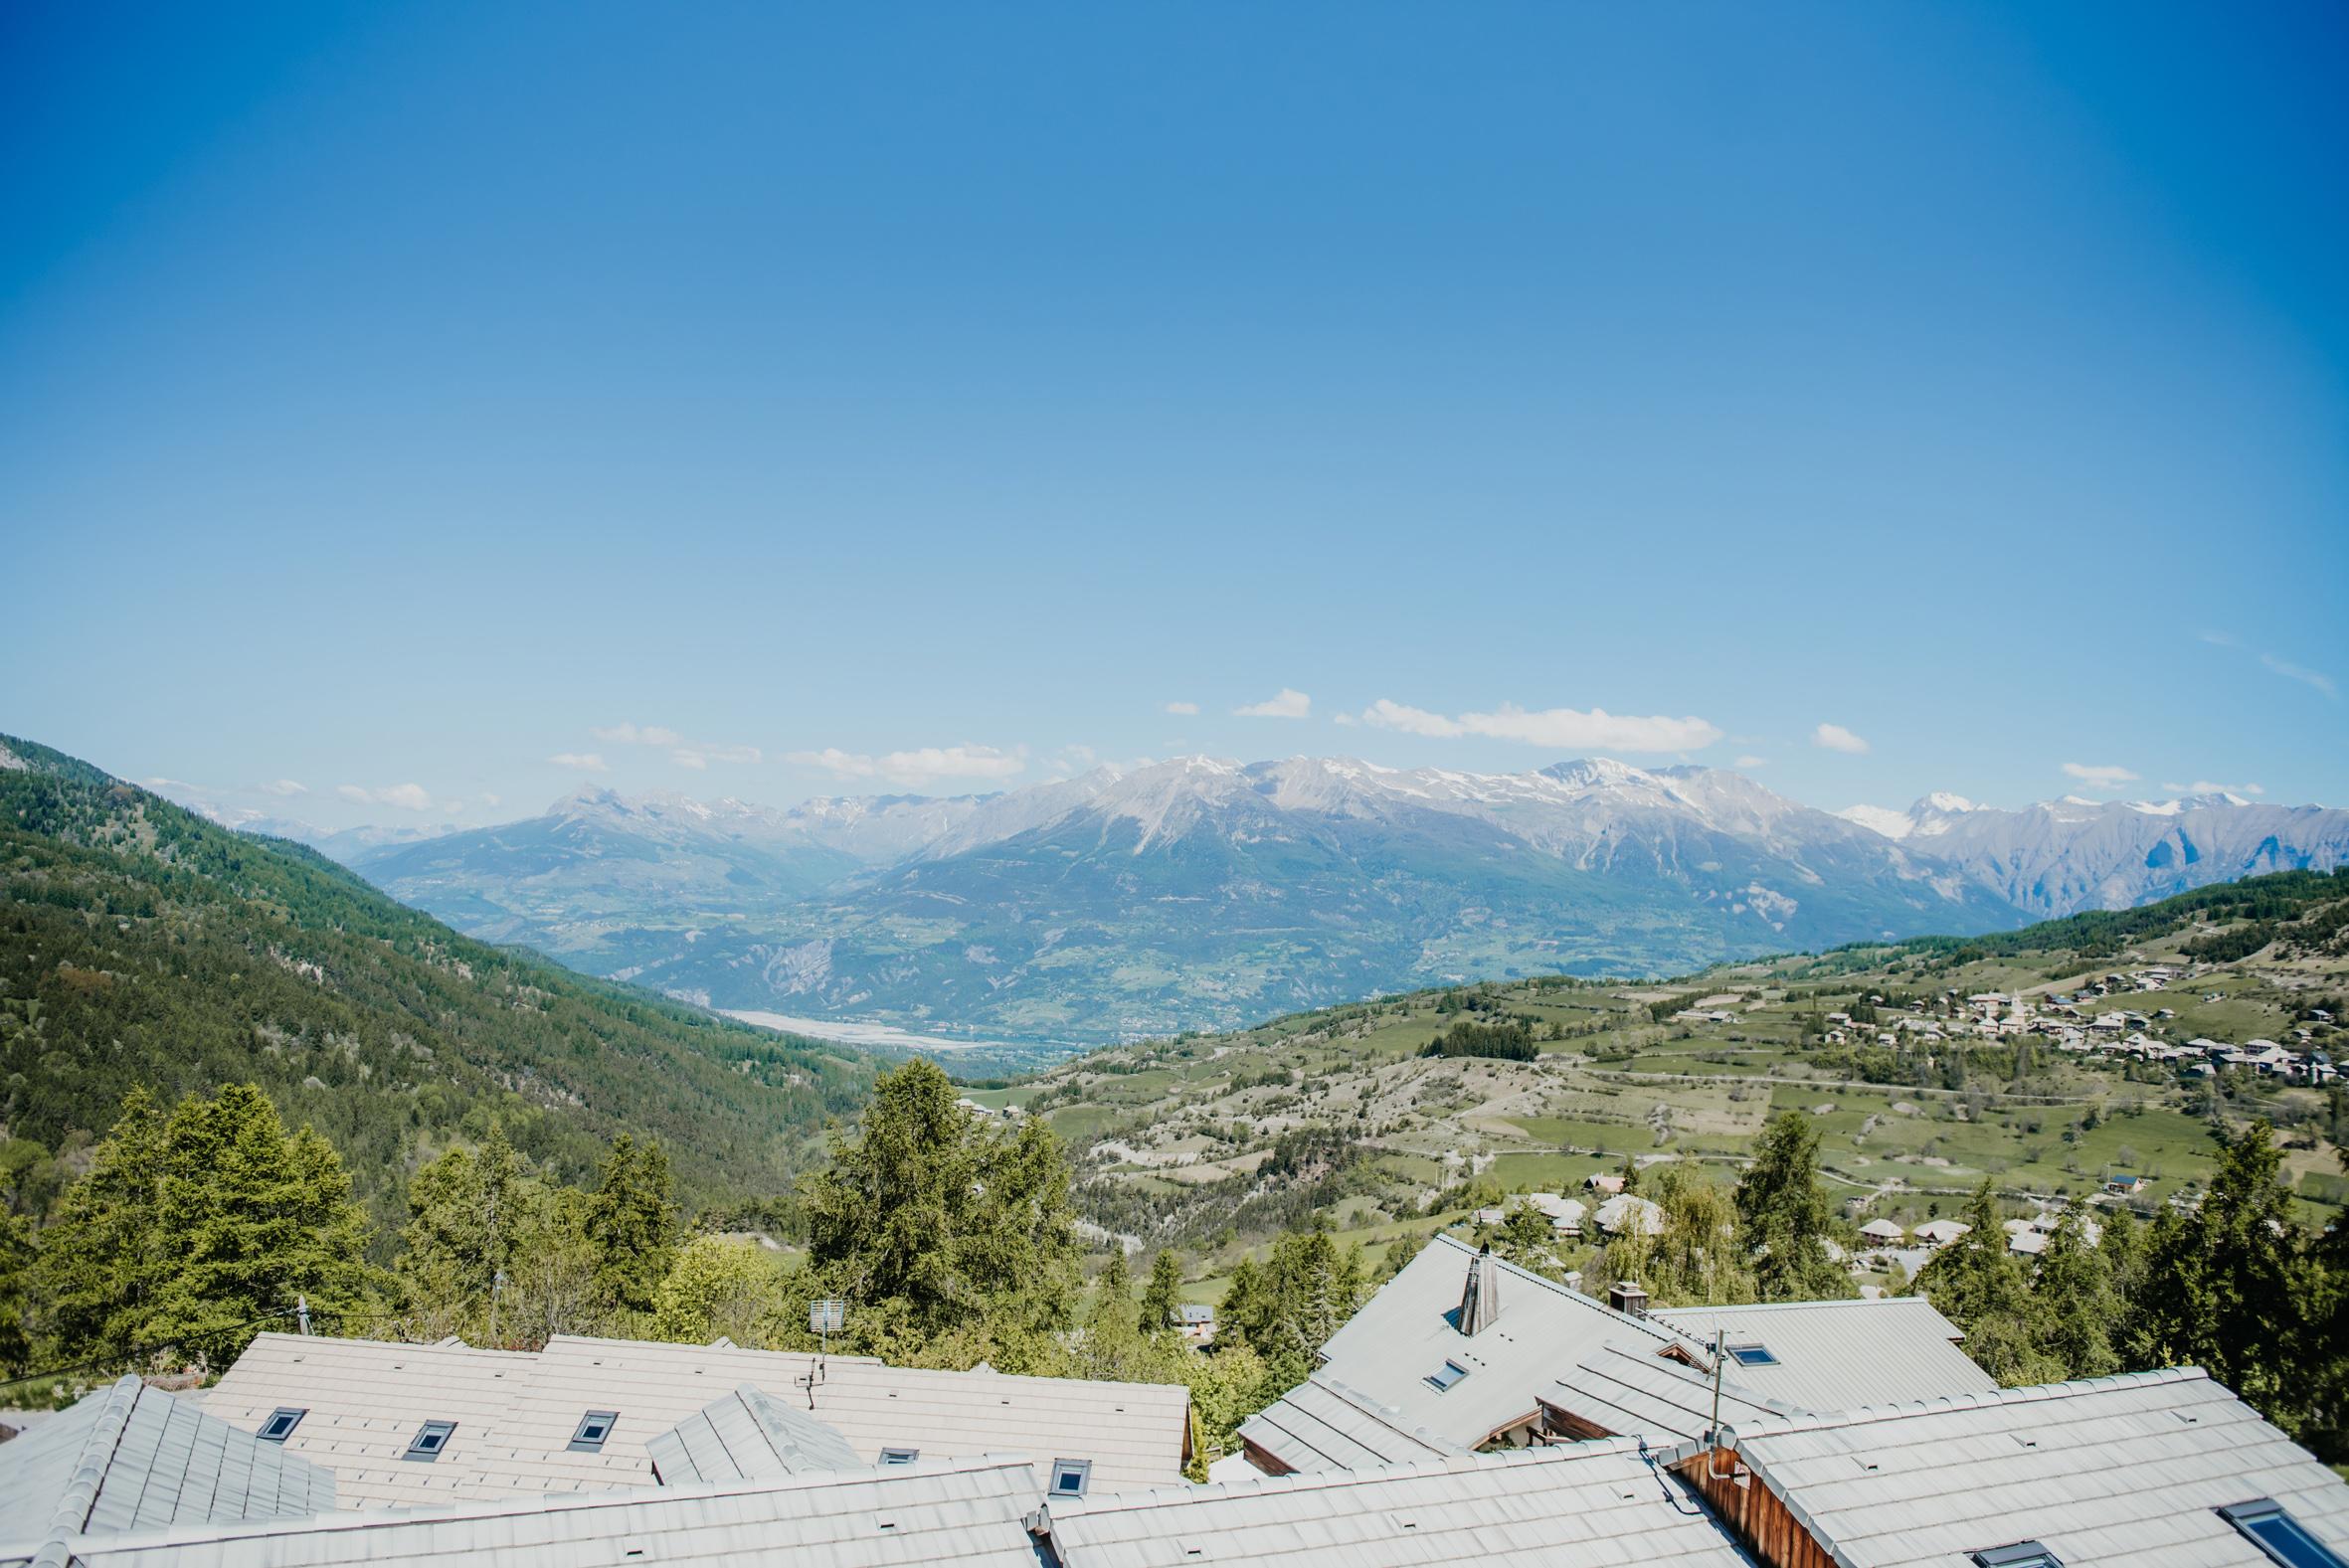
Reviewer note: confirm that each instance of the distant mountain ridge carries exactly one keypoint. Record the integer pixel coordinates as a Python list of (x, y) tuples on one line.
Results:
[(2063, 856), (1200, 892)]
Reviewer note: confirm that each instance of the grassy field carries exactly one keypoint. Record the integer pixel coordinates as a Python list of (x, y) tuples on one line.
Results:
[(1168, 1132)]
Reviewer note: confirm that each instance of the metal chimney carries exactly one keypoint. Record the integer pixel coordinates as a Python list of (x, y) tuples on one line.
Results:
[(1480, 1299)]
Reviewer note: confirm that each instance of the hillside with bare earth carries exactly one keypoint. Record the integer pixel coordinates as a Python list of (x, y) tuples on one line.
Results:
[(2108, 1049)]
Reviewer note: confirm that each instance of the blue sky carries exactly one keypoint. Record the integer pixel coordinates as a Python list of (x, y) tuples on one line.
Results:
[(394, 400)]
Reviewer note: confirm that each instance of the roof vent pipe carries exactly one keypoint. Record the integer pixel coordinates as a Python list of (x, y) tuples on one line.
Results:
[(1480, 1299)]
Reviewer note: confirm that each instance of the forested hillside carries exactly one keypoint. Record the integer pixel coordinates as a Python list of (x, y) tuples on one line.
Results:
[(141, 945)]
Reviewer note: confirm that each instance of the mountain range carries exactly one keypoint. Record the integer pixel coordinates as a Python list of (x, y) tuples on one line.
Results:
[(1198, 893)]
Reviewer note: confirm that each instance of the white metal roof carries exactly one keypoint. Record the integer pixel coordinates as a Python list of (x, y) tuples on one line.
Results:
[(1587, 1504), (2104, 1473), (966, 1511), (129, 1457), (516, 1412), (1836, 1355), (365, 1400), (1627, 1389), (1323, 1425), (1406, 1332), (744, 1435)]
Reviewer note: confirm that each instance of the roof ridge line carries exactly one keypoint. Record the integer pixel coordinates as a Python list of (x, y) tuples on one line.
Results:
[(2029, 1393), (96, 1456)]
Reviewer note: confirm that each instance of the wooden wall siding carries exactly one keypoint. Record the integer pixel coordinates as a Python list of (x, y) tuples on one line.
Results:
[(1559, 1423), (1754, 1513), (1264, 1460)]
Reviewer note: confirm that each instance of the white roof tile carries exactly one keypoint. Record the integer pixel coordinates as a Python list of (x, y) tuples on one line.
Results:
[(516, 1411), (2105, 1473), (1387, 1350), (966, 1511), (1586, 1504), (1836, 1355), (744, 1435), (130, 1457)]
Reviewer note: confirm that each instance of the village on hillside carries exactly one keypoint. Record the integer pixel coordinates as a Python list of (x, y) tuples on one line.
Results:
[(1471, 1410)]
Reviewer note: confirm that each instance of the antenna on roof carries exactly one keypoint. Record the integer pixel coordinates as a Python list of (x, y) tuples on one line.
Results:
[(824, 1318)]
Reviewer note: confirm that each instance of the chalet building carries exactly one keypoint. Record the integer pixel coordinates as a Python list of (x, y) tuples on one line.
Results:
[(2159, 1470), (1463, 1351), (1471, 1413), (409, 1426)]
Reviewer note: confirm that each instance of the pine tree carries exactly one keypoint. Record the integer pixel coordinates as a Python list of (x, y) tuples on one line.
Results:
[(195, 1230), (631, 1221), (939, 1221), (19, 1301), (1162, 1299), (2229, 1288), (1977, 1285), (104, 1261), (2075, 1301), (1788, 1217), (470, 1215)]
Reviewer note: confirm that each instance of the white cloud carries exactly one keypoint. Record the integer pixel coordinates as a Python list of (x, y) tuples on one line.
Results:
[(285, 786), (1289, 704), (700, 758), (451, 807), (160, 783), (920, 765), (406, 797), (584, 762), (2103, 775), (1185, 708), (697, 754), (638, 735), (1346, 719), (2205, 786), (1834, 738), (2301, 673), (2316, 681), (492, 800), (1751, 760), (1555, 729)]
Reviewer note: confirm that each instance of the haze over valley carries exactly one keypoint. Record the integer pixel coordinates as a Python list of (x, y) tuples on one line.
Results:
[(1198, 893)]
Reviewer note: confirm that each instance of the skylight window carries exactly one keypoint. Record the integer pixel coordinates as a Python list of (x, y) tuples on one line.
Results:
[(2023, 1554), (1069, 1477), (1753, 1355), (280, 1424), (429, 1440), (2279, 1536), (592, 1428), (1443, 1377), (900, 1456)]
